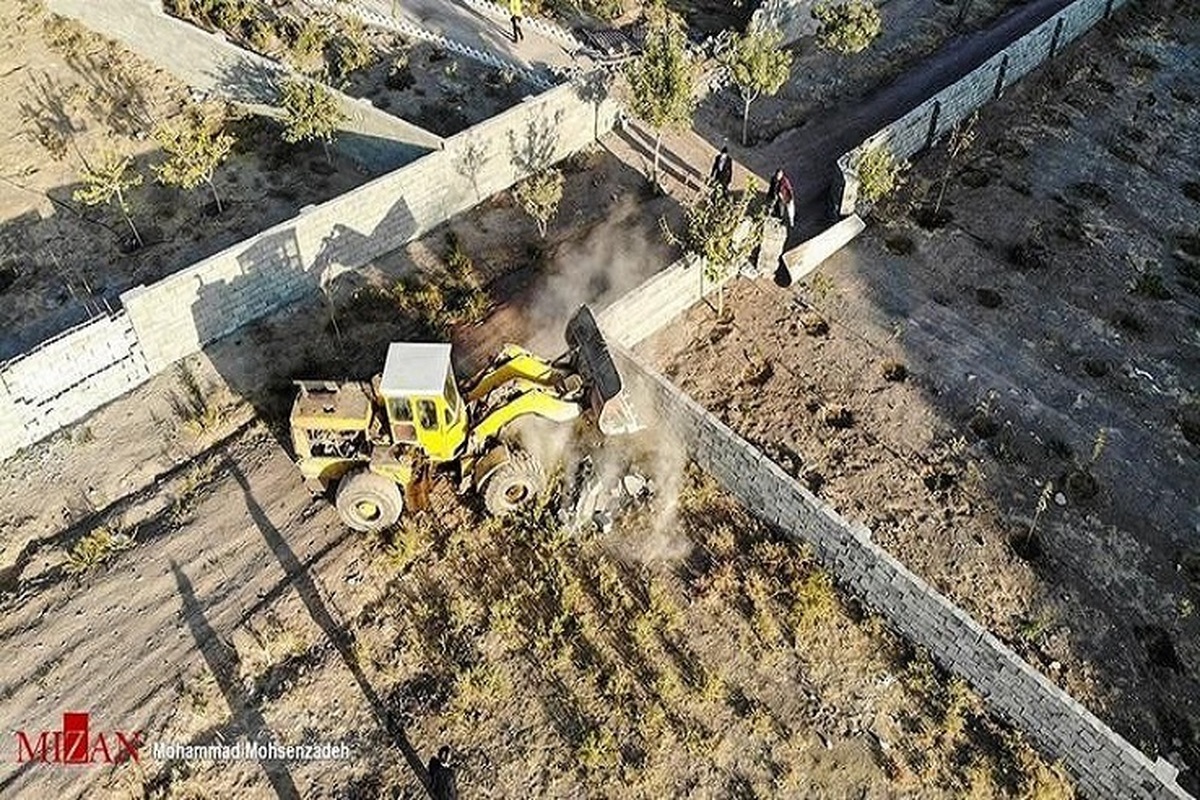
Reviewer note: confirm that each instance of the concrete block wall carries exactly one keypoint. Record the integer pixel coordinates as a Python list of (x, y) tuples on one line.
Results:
[(179, 314), (1103, 762), (174, 317), (64, 378), (209, 63), (933, 118)]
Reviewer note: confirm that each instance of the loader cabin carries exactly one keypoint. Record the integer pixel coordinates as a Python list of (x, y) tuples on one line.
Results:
[(421, 398)]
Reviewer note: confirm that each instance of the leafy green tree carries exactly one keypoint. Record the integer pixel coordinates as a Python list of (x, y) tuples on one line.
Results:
[(847, 27), (311, 112), (661, 80), (719, 231), (110, 180), (539, 196), (195, 145), (879, 172), (757, 65)]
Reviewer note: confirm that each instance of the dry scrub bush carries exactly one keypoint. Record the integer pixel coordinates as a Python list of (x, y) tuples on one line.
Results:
[(95, 549)]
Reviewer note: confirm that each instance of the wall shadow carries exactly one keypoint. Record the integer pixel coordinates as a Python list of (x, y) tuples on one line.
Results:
[(328, 342), (222, 663)]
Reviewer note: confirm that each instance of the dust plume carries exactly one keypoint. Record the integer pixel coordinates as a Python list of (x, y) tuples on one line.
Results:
[(616, 255)]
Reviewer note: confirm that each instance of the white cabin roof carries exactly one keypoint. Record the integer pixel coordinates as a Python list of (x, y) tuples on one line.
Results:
[(415, 368)]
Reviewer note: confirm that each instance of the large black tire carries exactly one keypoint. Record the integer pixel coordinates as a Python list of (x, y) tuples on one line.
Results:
[(515, 485), (368, 502)]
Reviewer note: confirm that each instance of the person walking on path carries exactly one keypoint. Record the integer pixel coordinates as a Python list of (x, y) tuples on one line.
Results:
[(722, 170), (782, 198), (442, 783), (514, 8)]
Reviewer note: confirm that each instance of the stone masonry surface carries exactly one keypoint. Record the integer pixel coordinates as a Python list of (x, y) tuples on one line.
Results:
[(932, 119)]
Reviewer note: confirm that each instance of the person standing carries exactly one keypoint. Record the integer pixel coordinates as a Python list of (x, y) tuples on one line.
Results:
[(722, 170), (442, 783), (782, 197), (514, 8)]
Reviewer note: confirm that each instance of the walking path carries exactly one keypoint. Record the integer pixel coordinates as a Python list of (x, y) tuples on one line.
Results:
[(485, 28)]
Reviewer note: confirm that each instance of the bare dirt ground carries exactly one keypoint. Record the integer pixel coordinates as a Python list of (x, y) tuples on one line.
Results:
[(71, 96), (1007, 394), (691, 653)]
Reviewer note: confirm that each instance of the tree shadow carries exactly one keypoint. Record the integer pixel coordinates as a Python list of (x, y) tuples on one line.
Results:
[(221, 659), (44, 111), (533, 150), (116, 96), (334, 631)]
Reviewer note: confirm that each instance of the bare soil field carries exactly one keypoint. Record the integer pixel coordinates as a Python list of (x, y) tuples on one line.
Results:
[(1005, 388), (690, 653), (72, 98)]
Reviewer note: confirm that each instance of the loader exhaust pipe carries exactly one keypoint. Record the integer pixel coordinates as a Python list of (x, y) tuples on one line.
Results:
[(589, 354)]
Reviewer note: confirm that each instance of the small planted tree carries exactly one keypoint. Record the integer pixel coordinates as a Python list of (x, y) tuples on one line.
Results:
[(110, 181), (879, 172), (311, 113), (539, 196), (847, 27), (195, 145), (719, 233), (660, 80), (757, 66)]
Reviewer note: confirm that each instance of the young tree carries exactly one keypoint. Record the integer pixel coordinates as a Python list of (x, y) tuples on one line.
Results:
[(879, 172), (847, 27), (196, 145), (110, 181), (719, 232), (311, 112), (757, 66), (660, 80), (539, 196)]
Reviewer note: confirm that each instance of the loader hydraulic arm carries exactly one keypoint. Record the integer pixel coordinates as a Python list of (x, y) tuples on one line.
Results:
[(521, 398)]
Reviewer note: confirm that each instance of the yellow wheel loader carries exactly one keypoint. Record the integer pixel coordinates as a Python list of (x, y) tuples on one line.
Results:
[(374, 442)]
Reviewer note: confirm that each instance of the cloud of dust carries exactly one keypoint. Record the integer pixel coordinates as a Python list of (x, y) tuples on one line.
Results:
[(617, 255)]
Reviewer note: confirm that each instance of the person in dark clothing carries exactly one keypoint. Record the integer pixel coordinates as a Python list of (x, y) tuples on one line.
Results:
[(442, 783), (515, 11), (782, 197), (722, 170)]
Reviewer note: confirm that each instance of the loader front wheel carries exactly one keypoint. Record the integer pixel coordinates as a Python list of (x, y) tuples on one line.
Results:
[(368, 502), (515, 485)]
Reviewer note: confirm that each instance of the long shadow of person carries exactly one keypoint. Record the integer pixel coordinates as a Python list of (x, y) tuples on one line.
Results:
[(222, 660), (306, 588)]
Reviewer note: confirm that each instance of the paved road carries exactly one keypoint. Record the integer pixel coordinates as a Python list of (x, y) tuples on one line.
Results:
[(483, 26), (810, 154)]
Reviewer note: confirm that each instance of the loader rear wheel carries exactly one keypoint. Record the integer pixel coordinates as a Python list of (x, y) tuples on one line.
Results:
[(515, 485), (368, 502)]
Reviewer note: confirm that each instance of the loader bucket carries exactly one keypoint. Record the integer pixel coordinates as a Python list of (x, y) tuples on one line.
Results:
[(589, 354)]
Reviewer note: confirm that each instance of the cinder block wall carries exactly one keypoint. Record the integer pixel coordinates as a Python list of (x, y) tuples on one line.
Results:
[(73, 374), (1103, 762), (179, 314), (209, 63), (64, 378)]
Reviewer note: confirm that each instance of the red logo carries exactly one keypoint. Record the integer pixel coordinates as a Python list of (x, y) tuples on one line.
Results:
[(76, 744)]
